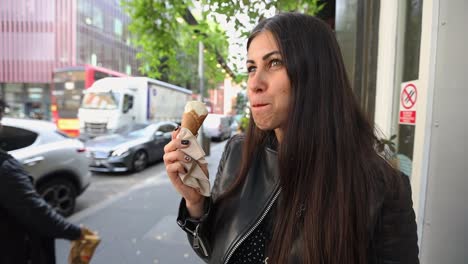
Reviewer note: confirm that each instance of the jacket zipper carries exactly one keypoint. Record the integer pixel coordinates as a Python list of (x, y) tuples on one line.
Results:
[(239, 242), (198, 242)]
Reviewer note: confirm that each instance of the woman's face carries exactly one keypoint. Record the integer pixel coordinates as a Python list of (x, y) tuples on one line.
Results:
[(268, 86)]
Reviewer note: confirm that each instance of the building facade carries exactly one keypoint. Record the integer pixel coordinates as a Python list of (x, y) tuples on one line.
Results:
[(421, 98), (38, 36), (408, 64)]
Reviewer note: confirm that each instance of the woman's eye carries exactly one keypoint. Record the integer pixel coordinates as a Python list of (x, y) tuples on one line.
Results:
[(251, 69), (276, 62)]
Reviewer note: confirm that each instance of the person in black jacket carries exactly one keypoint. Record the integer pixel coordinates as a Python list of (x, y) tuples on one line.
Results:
[(28, 225), (305, 184)]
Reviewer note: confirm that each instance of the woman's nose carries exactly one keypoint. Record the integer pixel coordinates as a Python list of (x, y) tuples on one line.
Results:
[(257, 82)]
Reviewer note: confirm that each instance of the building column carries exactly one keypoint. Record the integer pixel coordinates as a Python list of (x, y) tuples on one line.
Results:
[(386, 66)]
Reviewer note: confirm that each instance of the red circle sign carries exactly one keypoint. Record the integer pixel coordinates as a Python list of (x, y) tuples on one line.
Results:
[(408, 96)]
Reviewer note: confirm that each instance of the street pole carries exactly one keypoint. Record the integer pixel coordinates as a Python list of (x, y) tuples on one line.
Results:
[(200, 77)]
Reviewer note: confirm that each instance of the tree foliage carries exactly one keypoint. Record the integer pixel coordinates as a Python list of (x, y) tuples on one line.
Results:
[(169, 45)]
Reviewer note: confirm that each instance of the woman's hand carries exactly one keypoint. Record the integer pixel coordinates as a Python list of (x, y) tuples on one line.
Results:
[(173, 159), (86, 232)]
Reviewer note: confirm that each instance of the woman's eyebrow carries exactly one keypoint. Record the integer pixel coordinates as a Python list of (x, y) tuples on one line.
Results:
[(266, 56)]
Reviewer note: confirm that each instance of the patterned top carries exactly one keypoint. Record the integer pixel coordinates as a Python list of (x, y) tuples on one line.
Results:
[(253, 249)]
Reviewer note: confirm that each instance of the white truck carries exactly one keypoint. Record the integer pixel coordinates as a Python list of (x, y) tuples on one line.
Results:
[(113, 103)]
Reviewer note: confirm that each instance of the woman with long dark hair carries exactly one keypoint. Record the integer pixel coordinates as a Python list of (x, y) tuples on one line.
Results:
[(305, 183)]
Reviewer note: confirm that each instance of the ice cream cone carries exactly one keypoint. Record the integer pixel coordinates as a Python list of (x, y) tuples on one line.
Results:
[(192, 121)]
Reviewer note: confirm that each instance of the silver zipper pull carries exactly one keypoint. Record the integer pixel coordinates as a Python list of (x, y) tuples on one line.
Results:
[(196, 243), (196, 240)]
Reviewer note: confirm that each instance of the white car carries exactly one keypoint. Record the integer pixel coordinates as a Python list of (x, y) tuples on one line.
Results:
[(217, 127), (58, 164)]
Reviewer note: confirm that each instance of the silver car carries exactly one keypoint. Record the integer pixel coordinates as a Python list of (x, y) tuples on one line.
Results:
[(57, 163)]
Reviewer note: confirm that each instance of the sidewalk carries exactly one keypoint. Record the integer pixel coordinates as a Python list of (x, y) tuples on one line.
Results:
[(139, 226)]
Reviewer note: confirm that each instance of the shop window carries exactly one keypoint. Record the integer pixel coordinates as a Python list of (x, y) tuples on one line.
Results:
[(407, 69), (98, 18), (118, 28)]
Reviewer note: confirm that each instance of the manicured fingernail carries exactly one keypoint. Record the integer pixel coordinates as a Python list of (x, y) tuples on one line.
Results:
[(176, 128), (187, 158), (184, 142)]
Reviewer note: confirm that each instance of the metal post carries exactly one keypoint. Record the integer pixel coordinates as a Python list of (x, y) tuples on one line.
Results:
[(200, 77)]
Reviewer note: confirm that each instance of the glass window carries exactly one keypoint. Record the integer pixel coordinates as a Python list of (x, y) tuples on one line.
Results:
[(127, 103), (99, 75), (407, 69), (68, 88), (84, 7), (106, 101), (98, 19), (166, 128), (118, 29), (93, 59), (12, 138), (35, 93), (128, 69), (15, 98)]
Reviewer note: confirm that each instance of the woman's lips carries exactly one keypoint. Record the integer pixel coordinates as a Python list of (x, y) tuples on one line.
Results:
[(259, 105)]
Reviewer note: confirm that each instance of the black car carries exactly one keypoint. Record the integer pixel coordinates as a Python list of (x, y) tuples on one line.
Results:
[(130, 150)]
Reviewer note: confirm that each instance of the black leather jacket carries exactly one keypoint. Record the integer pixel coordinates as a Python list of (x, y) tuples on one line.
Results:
[(224, 226), (28, 224)]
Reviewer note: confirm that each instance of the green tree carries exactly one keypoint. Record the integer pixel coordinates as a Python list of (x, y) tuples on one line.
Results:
[(241, 103), (168, 37)]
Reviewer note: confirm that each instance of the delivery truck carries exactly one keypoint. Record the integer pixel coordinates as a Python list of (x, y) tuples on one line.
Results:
[(113, 103)]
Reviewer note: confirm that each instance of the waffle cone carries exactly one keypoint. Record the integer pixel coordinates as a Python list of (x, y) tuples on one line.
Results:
[(192, 121)]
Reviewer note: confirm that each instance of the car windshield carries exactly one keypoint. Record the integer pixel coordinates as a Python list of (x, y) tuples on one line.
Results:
[(101, 100)]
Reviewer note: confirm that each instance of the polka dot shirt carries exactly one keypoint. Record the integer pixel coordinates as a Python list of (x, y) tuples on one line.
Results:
[(253, 249)]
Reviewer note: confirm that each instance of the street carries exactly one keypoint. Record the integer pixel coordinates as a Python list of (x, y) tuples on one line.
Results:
[(135, 215)]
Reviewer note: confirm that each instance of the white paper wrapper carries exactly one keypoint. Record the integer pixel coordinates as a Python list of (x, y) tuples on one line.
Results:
[(195, 176)]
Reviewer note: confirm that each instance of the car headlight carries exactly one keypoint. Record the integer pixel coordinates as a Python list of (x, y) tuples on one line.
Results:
[(120, 152)]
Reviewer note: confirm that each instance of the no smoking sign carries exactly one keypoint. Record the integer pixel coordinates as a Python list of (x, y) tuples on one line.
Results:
[(408, 99)]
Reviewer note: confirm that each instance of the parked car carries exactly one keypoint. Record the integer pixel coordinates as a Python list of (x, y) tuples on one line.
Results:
[(130, 150), (217, 127), (57, 163)]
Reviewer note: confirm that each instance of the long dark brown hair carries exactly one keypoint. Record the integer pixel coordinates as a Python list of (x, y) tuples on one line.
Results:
[(327, 159)]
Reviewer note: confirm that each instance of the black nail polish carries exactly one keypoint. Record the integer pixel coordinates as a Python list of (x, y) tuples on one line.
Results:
[(176, 128), (184, 142)]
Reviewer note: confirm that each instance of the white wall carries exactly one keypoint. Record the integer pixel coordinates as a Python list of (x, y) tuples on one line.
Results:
[(444, 208)]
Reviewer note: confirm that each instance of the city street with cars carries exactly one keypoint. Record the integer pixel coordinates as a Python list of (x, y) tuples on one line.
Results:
[(135, 215)]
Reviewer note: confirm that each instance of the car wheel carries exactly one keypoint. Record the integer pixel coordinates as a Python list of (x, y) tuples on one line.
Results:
[(140, 161), (60, 194)]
